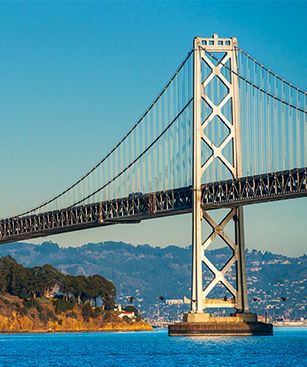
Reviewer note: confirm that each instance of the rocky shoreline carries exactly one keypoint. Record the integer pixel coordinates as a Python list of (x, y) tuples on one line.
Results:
[(17, 323), (41, 317)]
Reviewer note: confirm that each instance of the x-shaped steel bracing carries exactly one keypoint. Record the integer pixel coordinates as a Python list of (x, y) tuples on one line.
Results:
[(218, 230), (202, 49), (217, 151)]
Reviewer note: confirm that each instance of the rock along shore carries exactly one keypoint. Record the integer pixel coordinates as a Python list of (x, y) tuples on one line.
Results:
[(14, 318)]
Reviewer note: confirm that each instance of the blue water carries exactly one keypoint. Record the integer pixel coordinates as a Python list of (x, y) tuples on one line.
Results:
[(288, 347)]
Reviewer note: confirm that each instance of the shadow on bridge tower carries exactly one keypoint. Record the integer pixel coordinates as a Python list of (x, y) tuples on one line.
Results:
[(217, 154)]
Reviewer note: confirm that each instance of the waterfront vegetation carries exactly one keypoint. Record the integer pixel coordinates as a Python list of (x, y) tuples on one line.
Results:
[(46, 282), (42, 298)]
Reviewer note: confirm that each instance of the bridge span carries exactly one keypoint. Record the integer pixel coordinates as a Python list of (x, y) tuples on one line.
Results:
[(137, 207)]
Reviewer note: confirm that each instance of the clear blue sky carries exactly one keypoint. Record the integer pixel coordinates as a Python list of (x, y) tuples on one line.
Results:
[(76, 75)]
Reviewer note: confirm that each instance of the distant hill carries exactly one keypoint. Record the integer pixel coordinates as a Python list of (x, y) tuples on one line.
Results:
[(147, 272)]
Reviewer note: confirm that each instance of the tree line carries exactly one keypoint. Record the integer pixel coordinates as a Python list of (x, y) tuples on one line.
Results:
[(46, 281)]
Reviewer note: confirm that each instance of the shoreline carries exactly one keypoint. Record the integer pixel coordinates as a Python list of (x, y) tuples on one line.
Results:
[(290, 325), (74, 331), (129, 330), (109, 327)]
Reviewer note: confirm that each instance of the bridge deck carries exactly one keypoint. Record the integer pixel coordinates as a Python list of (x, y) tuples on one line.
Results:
[(135, 208)]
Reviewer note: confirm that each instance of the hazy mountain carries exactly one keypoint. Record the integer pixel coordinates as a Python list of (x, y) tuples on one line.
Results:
[(147, 272)]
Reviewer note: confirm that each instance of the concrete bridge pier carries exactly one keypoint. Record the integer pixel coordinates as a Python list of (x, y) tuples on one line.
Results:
[(203, 324)]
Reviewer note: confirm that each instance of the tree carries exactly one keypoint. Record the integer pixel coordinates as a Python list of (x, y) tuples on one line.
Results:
[(46, 280)]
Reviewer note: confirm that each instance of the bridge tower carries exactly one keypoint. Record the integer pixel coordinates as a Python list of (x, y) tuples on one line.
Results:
[(225, 51), (210, 69)]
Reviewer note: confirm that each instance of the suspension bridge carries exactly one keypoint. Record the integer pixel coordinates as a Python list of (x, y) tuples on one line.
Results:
[(224, 132)]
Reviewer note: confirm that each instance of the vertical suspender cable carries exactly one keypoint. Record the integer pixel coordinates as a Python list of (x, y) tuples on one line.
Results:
[(254, 155), (249, 119), (161, 155), (284, 130), (299, 143), (304, 133), (158, 148), (290, 132), (276, 143), (261, 147), (268, 127), (218, 129)]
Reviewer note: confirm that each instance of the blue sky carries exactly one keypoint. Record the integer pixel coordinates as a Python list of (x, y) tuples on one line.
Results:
[(76, 75)]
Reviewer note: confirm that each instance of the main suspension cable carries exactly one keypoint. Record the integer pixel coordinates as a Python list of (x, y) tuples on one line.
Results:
[(136, 159), (270, 71), (254, 85), (116, 146)]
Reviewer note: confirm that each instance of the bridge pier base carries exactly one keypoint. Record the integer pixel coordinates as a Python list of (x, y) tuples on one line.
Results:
[(203, 324)]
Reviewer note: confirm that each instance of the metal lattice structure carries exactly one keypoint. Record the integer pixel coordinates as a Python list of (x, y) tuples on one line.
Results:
[(225, 48)]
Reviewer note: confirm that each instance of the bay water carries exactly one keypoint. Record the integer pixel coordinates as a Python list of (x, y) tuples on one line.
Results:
[(288, 347)]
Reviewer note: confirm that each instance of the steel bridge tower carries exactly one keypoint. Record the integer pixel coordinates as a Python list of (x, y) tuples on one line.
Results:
[(226, 48), (197, 321)]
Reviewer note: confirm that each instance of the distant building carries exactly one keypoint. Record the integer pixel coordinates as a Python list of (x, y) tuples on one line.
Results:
[(118, 307), (130, 315), (174, 301)]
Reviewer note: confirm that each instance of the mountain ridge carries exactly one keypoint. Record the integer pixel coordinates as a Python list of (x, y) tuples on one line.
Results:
[(146, 272)]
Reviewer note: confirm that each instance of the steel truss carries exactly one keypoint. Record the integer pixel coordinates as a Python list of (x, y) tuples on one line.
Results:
[(246, 190), (254, 189)]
